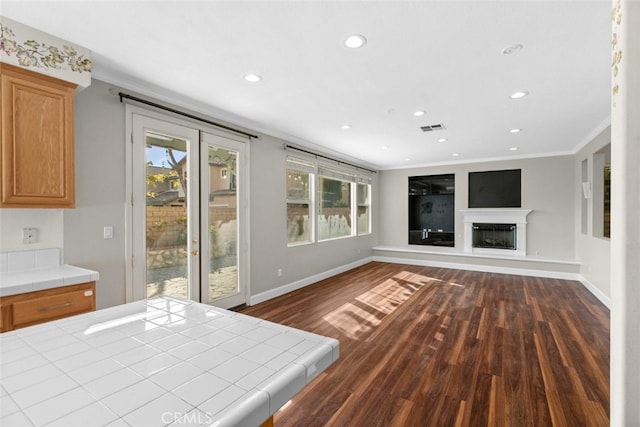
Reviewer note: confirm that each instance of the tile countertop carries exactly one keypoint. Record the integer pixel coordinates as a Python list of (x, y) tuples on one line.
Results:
[(156, 362), (28, 271)]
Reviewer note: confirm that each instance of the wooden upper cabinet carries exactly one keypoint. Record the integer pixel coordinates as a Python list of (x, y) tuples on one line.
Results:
[(37, 158)]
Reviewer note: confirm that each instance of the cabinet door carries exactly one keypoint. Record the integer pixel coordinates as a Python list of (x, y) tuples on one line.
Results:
[(37, 140)]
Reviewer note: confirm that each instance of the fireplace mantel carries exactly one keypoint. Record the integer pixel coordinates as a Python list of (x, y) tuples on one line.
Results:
[(516, 216)]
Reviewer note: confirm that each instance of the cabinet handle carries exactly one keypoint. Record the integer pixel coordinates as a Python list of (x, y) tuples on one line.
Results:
[(54, 307)]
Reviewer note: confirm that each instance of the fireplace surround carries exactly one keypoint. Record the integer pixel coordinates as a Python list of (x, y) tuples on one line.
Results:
[(497, 225)]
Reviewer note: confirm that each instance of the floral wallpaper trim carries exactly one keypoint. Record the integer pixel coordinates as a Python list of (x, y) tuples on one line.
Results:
[(32, 53), (616, 59)]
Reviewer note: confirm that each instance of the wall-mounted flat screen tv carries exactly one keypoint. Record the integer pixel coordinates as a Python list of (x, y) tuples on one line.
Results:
[(495, 189)]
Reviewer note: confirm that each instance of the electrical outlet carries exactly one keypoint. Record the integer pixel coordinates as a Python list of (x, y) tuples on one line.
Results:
[(29, 235), (279, 272), (107, 232)]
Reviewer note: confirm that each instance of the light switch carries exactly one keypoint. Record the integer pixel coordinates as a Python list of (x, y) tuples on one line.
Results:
[(108, 232), (29, 235)]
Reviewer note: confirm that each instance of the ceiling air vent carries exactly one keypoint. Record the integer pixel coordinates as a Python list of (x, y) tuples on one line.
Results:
[(432, 128)]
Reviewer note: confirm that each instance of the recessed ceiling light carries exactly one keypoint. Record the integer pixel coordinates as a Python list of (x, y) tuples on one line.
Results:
[(407, 159), (515, 130), (519, 94), (513, 149), (512, 49), (253, 78), (442, 140), (384, 147), (419, 113), (345, 126), (355, 41), (455, 154)]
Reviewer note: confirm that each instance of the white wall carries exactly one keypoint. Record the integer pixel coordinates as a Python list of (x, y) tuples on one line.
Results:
[(592, 251), (48, 222), (547, 189)]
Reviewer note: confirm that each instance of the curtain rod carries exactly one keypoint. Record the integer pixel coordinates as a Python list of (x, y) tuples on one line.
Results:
[(182, 113), (328, 158)]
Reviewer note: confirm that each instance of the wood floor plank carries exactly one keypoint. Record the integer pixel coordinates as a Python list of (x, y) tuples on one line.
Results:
[(424, 346)]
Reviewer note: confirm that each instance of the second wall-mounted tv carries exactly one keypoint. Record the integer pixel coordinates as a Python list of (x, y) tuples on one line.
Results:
[(495, 189)]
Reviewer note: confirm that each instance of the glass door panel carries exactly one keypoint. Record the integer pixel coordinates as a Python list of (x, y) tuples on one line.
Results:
[(221, 193), (167, 251)]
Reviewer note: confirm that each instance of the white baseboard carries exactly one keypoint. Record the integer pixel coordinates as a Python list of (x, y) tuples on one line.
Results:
[(484, 268), (281, 290), (596, 292)]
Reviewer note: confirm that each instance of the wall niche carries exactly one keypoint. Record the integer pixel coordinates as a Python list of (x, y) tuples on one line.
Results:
[(432, 210)]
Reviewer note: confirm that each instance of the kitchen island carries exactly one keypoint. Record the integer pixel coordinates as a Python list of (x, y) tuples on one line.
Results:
[(156, 362)]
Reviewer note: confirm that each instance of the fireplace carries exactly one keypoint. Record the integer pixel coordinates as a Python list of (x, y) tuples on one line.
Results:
[(500, 231), (496, 236)]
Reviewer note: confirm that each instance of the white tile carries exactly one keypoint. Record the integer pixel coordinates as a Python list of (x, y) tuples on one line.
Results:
[(158, 412), (201, 388), (4, 262), (152, 333), (217, 338), (284, 341), (95, 370), (210, 358), (17, 419), (136, 355), (284, 386), (155, 364), (281, 361), (221, 400), (240, 328), (119, 346), (44, 390), (189, 350), (249, 410), (95, 414), (222, 322), (176, 375), (171, 341), (260, 333), (99, 339), (198, 331), (81, 359), (21, 261), (133, 397), (30, 377), (167, 319), (68, 350), (113, 382), (8, 406), (59, 406), (261, 353), (21, 360), (47, 258), (256, 377), (237, 345), (118, 423), (234, 369)]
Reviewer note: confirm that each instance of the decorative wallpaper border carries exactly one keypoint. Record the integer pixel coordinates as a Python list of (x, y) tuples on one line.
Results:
[(616, 58), (29, 48)]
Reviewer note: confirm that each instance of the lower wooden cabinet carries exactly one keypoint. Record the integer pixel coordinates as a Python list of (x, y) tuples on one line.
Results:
[(31, 308)]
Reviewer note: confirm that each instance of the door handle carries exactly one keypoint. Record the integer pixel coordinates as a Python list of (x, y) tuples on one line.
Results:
[(194, 252)]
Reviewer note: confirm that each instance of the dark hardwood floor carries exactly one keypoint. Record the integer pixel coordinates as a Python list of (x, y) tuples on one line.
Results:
[(422, 346)]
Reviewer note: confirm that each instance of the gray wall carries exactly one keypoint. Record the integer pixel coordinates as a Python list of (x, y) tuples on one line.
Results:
[(100, 200), (547, 189)]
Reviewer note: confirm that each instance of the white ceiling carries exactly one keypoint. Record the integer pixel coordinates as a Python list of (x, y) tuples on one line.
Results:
[(443, 57)]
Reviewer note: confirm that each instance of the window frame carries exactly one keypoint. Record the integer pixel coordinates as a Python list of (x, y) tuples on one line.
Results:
[(301, 166)]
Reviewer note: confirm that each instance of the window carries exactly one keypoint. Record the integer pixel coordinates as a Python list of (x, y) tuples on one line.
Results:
[(299, 202), (335, 204), (324, 202), (363, 196)]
